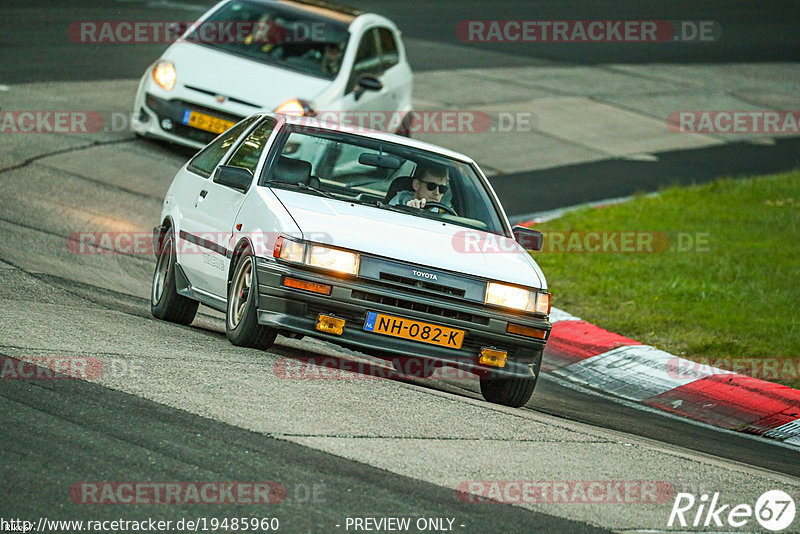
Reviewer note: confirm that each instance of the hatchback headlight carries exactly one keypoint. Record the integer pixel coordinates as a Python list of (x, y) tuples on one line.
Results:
[(517, 298), (320, 256), (295, 107), (164, 75)]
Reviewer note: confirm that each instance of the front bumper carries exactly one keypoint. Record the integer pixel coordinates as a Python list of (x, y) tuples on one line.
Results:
[(296, 311), (151, 113)]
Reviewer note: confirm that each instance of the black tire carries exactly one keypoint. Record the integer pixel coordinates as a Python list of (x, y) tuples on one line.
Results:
[(514, 391), (165, 302), (241, 317)]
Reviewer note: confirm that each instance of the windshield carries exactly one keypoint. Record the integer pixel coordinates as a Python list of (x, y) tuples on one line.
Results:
[(384, 175), (279, 35)]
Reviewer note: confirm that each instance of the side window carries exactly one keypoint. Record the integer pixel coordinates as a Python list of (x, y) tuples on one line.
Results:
[(389, 54), (248, 153), (204, 162), (367, 59)]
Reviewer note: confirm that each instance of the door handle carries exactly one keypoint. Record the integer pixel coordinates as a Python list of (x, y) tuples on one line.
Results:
[(203, 193)]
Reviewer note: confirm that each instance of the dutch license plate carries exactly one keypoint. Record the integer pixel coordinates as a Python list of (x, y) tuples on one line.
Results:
[(418, 331), (205, 122)]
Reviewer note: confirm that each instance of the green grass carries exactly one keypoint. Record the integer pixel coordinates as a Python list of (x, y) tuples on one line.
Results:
[(738, 296)]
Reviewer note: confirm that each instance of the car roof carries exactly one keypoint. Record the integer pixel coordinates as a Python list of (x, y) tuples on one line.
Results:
[(372, 134), (332, 10)]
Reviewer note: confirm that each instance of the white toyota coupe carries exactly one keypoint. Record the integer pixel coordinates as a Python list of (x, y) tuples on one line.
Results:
[(296, 227), (296, 57)]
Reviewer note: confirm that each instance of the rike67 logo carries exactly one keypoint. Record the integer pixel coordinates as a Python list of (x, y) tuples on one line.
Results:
[(774, 511)]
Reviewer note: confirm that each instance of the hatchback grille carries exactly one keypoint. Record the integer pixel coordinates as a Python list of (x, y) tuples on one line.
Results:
[(229, 98)]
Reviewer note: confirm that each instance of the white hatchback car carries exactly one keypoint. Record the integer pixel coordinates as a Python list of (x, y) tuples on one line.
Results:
[(294, 57), (295, 227)]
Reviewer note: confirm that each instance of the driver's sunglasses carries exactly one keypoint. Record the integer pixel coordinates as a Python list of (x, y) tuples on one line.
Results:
[(433, 185)]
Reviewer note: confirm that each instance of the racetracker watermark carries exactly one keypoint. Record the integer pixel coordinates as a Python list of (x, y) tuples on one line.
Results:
[(433, 121), (70, 367), (735, 122), (328, 368), (177, 493), (553, 241), (588, 31), (249, 33), (772, 369), (148, 243), (50, 368), (565, 492), (60, 122), (413, 122)]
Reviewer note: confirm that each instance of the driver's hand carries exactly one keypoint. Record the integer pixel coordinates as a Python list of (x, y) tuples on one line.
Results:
[(416, 203)]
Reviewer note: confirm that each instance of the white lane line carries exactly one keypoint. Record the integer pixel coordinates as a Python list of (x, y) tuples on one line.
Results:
[(4, 88)]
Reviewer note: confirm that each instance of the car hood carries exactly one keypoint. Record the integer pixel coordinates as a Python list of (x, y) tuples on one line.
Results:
[(261, 84), (402, 237)]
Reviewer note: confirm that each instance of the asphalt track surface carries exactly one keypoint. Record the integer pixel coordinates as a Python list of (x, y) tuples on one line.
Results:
[(63, 427), (130, 438), (33, 48)]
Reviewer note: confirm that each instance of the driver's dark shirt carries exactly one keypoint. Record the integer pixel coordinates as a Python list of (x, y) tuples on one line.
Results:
[(402, 197)]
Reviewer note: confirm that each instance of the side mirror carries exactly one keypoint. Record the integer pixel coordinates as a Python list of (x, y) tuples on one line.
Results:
[(367, 83), (233, 177), (527, 238)]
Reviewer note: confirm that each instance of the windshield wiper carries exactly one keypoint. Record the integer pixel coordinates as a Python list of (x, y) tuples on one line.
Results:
[(383, 205), (299, 185)]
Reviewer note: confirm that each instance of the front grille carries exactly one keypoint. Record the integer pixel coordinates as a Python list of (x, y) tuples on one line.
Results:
[(175, 109), (423, 284), (229, 98), (405, 304)]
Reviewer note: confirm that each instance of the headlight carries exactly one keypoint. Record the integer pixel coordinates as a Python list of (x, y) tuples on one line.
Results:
[(332, 259), (295, 107), (164, 75), (517, 298)]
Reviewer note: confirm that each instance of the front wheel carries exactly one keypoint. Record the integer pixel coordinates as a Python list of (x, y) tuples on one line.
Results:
[(241, 318), (514, 391), (165, 302)]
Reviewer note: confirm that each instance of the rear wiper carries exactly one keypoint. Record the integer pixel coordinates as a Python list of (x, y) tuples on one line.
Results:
[(300, 185)]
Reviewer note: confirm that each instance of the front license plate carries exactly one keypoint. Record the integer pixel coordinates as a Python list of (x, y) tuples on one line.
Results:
[(406, 328), (205, 122)]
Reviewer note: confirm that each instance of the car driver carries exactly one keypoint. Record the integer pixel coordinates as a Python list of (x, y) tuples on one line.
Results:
[(429, 185)]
